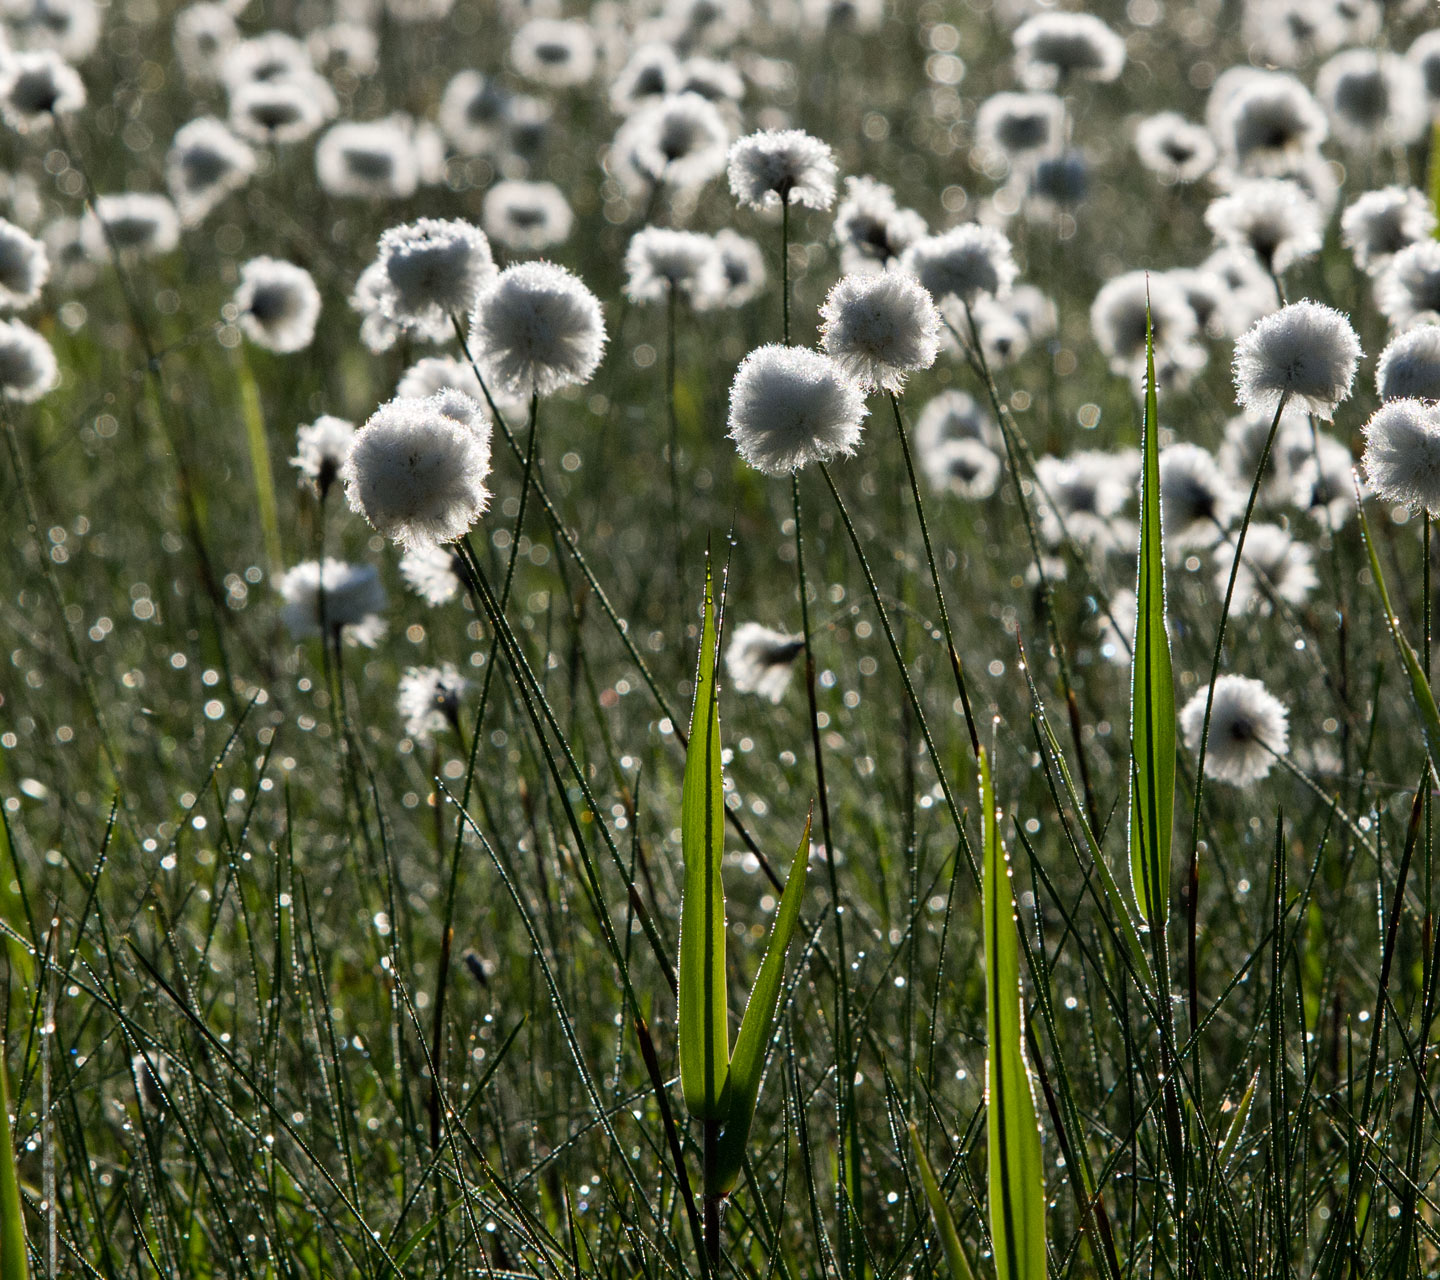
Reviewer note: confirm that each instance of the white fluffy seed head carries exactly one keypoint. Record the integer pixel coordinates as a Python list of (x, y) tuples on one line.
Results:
[(1019, 126), (333, 597), (871, 230), (369, 160), (275, 112), (964, 468), (1409, 367), (660, 260), (205, 163), (432, 573), (321, 448), (953, 415), (880, 328), (473, 112), (28, 369), (536, 329), (430, 271), (1174, 148), (1274, 219), (759, 660), (24, 267), (1051, 47), (966, 263), (1249, 727), (132, 225), (417, 471), (1198, 501), (742, 270), (681, 141), (556, 52), (778, 165), (1275, 566), (1306, 352), (1374, 98), (790, 406), (1402, 454), (429, 700), (526, 216), (35, 88), (1378, 224), (1266, 121), (1409, 288), (1117, 318), (278, 305)]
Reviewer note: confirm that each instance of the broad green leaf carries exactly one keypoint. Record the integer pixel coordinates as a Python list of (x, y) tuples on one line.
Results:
[(1419, 686), (1152, 689), (747, 1064), (1016, 1174), (13, 1262), (704, 1033), (949, 1238)]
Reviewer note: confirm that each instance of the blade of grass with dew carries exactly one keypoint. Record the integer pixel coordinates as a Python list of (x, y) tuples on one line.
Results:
[(1433, 175), (1016, 1174), (704, 1033), (757, 1026), (254, 417), (1225, 1157), (13, 1261), (1152, 688), (945, 1224), (1420, 690)]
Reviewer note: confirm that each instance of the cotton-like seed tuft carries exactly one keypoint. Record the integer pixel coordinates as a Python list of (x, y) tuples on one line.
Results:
[(1249, 728), (278, 303), (790, 406), (778, 165), (880, 328), (1402, 454), (1306, 352)]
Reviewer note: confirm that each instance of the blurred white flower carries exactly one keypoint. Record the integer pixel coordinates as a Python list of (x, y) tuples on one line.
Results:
[(429, 700), (278, 305), (526, 216), (336, 599), (1249, 727), (760, 660), (28, 369), (1402, 454), (205, 163), (321, 448)]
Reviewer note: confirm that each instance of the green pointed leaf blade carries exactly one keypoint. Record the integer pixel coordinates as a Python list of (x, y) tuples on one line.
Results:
[(1152, 687), (955, 1257), (1016, 1175), (1225, 1157), (703, 1016), (747, 1063), (1433, 175), (14, 1264), (1420, 692)]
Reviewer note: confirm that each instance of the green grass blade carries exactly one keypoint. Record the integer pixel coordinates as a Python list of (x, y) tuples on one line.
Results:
[(747, 1064), (255, 437), (704, 1033), (13, 1262), (1433, 175), (1016, 1174), (949, 1238), (1152, 688), (1420, 690), (1225, 1157)]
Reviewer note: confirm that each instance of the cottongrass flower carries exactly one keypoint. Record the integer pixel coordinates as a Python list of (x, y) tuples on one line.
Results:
[(1304, 354), (1274, 563), (321, 448), (1374, 98), (528, 122), (1409, 367), (1206, 294), (278, 305), (28, 369), (1244, 442), (742, 270), (871, 229), (1198, 501), (275, 112), (24, 267), (1425, 54), (1080, 497), (1051, 47), (432, 573), (37, 88), (1056, 184), (473, 112), (1402, 454), (717, 81), (1267, 122), (1378, 224), (270, 57), (1118, 319), (1409, 288), (432, 374), (760, 660), (431, 271), (371, 160), (417, 471), (526, 216), (202, 35), (333, 599), (536, 329), (779, 166), (1324, 482), (1175, 149), (555, 52), (952, 415), (130, 225), (681, 142), (206, 162), (966, 263), (429, 700), (1249, 727), (652, 71), (790, 406), (1272, 218), (1017, 127), (880, 328), (965, 468), (661, 261)]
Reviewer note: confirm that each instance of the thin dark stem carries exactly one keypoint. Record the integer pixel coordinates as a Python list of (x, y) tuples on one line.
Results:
[(785, 266)]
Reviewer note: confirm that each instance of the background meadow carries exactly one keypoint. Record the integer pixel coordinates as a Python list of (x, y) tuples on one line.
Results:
[(304, 979)]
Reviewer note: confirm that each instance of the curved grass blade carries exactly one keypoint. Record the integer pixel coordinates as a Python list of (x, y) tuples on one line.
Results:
[(703, 1019), (1420, 689), (949, 1238), (1230, 1147), (1016, 1174), (1152, 688), (747, 1064), (13, 1262)]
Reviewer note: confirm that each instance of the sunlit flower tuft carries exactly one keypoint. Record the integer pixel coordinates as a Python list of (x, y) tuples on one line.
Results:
[(131, 225), (24, 267), (278, 305), (966, 263), (782, 165), (526, 216), (338, 599), (759, 660), (28, 369), (431, 271), (880, 328), (1409, 367), (37, 88), (205, 163), (1249, 727), (432, 573), (790, 406), (321, 448), (429, 700), (1052, 47), (661, 260), (1402, 454), (1306, 352)]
